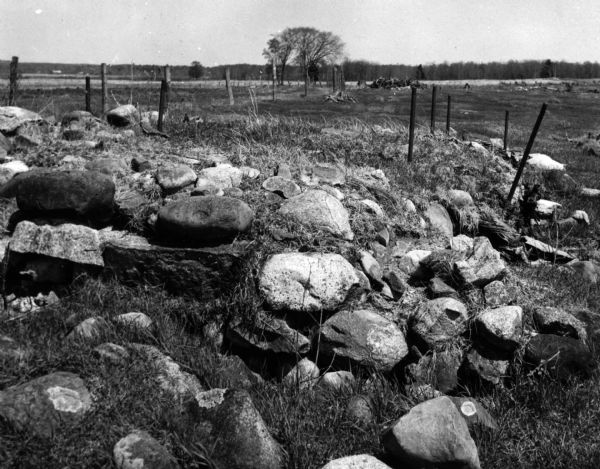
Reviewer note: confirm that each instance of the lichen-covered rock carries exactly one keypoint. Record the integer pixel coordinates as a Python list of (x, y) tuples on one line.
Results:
[(363, 337), (439, 322), (307, 282), (433, 433), (482, 266), (44, 403), (318, 209)]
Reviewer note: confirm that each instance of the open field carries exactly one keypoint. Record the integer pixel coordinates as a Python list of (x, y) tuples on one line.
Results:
[(543, 422)]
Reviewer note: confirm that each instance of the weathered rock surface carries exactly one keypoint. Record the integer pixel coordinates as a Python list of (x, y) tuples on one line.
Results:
[(439, 322), (171, 378), (281, 186), (303, 376), (364, 338), (542, 250), (360, 461), (337, 380), (12, 117), (136, 321), (550, 320), (237, 432), (486, 369), (123, 116), (437, 288), (562, 355), (113, 353), (85, 194), (360, 410), (172, 178), (204, 220), (440, 220), (317, 209), (268, 334), (440, 369), (89, 329), (496, 294), (459, 198), (44, 403), (202, 273), (482, 266), (308, 282), (223, 176), (139, 450), (75, 243), (372, 268), (501, 327), (411, 265), (433, 433)]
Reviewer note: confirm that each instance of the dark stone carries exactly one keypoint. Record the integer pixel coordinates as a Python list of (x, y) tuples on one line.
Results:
[(73, 134), (438, 369), (564, 355), (203, 273), (85, 194), (204, 220), (140, 165), (439, 289)]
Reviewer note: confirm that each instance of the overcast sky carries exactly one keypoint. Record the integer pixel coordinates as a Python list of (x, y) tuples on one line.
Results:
[(230, 31)]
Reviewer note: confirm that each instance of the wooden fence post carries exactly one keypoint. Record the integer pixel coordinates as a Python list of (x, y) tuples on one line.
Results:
[(433, 102), (342, 79), (505, 145), (228, 85), (274, 77), (449, 110), (88, 94), (12, 76), (411, 127), (162, 105), (534, 132), (104, 87), (167, 74), (335, 78)]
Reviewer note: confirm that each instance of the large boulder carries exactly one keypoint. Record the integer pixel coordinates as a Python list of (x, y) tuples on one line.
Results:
[(86, 195), (433, 433), (123, 116), (204, 220), (236, 432), (438, 322), (12, 117), (482, 266), (318, 209), (43, 404), (307, 282), (139, 450), (362, 337), (172, 178), (501, 328), (204, 273)]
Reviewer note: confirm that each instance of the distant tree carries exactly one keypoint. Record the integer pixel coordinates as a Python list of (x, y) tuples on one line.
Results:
[(196, 70), (547, 69), (420, 73), (281, 47)]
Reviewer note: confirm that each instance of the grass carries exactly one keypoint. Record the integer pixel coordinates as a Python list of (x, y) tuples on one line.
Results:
[(543, 422)]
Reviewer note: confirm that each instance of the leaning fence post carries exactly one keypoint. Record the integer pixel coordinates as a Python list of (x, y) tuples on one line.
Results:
[(534, 132), (228, 85), (433, 101), (448, 112), (104, 87), (88, 94), (162, 105), (411, 126), (505, 146), (12, 76)]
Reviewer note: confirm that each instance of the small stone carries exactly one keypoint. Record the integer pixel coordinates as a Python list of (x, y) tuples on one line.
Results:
[(88, 330), (482, 266), (396, 282), (172, 178), (461, 243), (337, 381), (139, 450), (459, 198), (137, 321), (281, 186), (373, 207), (383, 236), (113, 353), (303, 376), (283, 170), (360, 410), (439, 322), (485, 369), (222, 176), (550, 320), (372, 268), (439, 220), (501, 327), (248, 172), (496, 294), (437, 288)]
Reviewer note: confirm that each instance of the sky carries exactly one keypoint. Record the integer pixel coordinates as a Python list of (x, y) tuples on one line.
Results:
[(217, 32)]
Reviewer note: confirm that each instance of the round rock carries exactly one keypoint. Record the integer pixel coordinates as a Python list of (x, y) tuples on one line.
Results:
[(139, 450), (204, 220)]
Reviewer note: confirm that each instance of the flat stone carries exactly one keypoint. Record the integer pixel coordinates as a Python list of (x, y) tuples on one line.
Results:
[(371, 267), (550, 320), (317, 209), (363, 337), (203, 273), (204, 220), (437, 288), (43, 404), (307, 282), (545, 251)]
